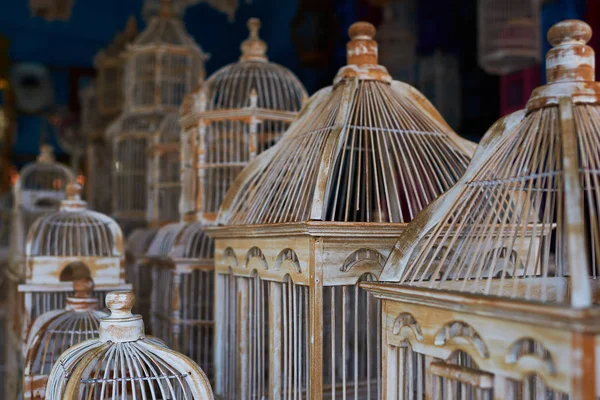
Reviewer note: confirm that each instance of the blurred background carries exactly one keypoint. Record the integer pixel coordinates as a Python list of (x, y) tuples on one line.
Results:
[(475, 59)]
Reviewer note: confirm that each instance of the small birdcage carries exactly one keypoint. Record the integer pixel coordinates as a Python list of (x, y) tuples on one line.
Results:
[(309, 219), (55, 331), (52, 10), (494, 289), (398, 40), (124, 363), (508, 35), (162, 64)]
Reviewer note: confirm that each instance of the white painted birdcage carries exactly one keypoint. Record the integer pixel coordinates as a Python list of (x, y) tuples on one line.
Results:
[(309, 219), (239, 112), (397, 38), (508, 35), (52, 10), (53, 332), (164, 170), (124, 363), (439, 81), (495, 286), (162, 64)]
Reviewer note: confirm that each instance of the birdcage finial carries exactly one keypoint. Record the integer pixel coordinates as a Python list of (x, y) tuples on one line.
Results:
[(83, 299), (121, 325), (362, 49), (254, 48), (46, 154), (83, 287), (166, 8), (131, 28), (570, 59), (73, 191), (73, 201)]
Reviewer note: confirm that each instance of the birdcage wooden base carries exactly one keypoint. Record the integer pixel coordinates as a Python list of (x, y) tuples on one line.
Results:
[(292, 292), (515, 349)]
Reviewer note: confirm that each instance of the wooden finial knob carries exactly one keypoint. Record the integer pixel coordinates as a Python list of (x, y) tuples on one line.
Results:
[(569, 31), (570, 59), (254, 48), (362, 49), (83, 287), (166, 8), (73, 191), (120, 303), (46, 153), (361, 30), (131, 27)]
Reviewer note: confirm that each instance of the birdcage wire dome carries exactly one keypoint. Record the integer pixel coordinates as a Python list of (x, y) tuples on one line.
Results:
[(55, 331), (508, 35), (310, 218), (517, 235), (123, 361)]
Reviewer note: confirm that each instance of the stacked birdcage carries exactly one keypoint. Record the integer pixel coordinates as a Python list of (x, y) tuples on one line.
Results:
[(124, 363), (55, 331), (101, 103), (162, 64), (310, 218), (239, 112), (508, 35), (494, 291)]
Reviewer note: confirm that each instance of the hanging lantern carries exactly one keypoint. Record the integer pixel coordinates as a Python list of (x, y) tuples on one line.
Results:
[(494, 285), (123, 362), (508, 35), (309, 219)]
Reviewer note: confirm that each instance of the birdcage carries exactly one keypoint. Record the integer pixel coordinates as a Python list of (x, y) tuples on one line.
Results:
[(164, 187), (6, 208), (52, 10), (55, 331), (398, 40), (313, 216), (162, 64), (495, 285), (508, 35), (439, 81), (137, 245), (239, 112), (123, 362)]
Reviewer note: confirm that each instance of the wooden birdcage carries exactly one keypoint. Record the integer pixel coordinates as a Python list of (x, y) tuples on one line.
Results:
[(239, 112), (137, 245), (508, 35), (162, 64), (313, 216), (55, 331), (52, 10), (124, 363), (495, 292)]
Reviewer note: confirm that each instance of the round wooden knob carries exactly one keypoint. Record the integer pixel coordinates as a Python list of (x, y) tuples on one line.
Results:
[(254, 26), (73, 191), (569, 31), (83, 287), (254, 48), (361, 30), (120, 303), (46, 153)]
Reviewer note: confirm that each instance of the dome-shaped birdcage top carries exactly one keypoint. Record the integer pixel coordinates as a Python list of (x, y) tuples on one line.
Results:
[(253, 81), (55, 331), (44, 175), (523, 221), (366, 149), (192, 243), (139, 240), (124, 363), (164, 239), (74, 231)]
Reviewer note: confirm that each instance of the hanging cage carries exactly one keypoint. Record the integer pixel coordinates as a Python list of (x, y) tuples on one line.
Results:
[(123, 362), (310, 218), (55, 331), (495, 291), (508, 35)]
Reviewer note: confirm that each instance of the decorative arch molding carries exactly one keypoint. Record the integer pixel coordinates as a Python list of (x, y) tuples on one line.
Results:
[(257, 253), (363, 255), (454, 331), (530, 355), (230, 258), (406, 320), (290, 256)]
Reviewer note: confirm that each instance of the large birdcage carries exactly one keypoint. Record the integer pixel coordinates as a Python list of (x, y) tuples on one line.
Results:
[(55, 331), (162, 64), (508, 35), (313, 216), (123, 362), (494, 291)]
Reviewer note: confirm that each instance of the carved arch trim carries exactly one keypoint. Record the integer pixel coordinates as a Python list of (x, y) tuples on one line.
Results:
[(454, 331)]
